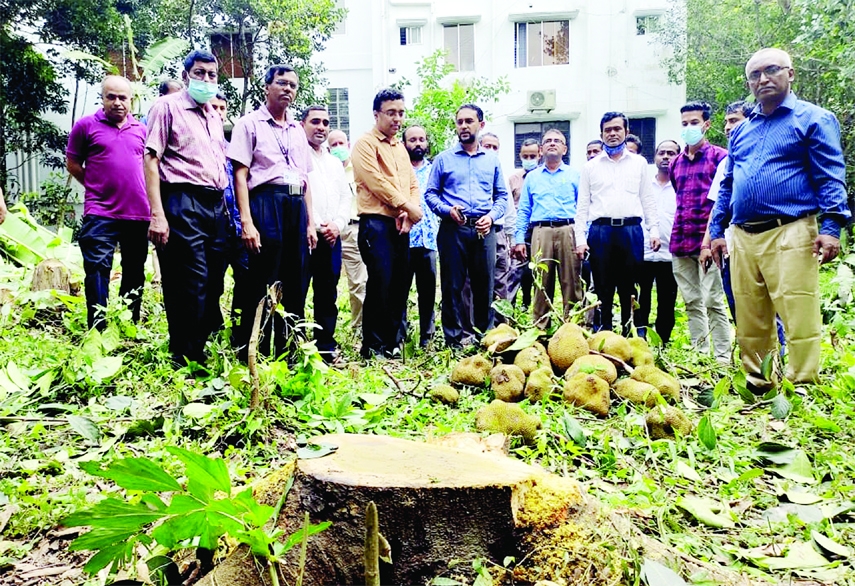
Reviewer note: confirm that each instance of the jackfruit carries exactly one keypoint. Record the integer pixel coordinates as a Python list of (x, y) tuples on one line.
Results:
[(539, 384), (444, 394), (589, 392), (499, 338), (641, 353), (566, 345), (669, 387), (637, 392), (507, 418), (507, 382), (610, 343), (593, 364), (662, 422), (531, 358), (471, 371)]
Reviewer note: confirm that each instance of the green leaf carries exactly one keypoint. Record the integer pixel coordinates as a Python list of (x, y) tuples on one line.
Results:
[(134, 474), (574, 430), (182, 504), (163, 570), (706, 433), (442, 581), (78, 56), (257, 540), (110, 338), (799, 556), (114, 514), (654, 340), (687, 472), (105, 368), (830, 546), (100, 538), (251, 511), (746, 476), (315, 450), (503, 307), (747, 396), (181, 527), (802, 498), (824, 424), (87, 428), (781, 407), (118, 403), (656, 574), (776, 453), (205, 475), (297, 536), (799, 470), (705, 511), (721, 388), (159, 54), (119, 554), (198, 410), (525, 339), (92, 348), (767, 364)]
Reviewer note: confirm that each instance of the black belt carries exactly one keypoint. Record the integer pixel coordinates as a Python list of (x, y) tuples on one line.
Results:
[(353, 222), (553, 223), (765, 226), (191, 188), (617, 222)]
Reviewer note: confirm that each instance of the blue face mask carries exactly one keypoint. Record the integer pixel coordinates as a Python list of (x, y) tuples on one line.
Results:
[(615, 150), (692, 135), (201, 91), (529, 164)]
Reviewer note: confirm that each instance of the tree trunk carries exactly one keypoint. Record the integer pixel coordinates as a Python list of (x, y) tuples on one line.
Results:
[(51, 274)]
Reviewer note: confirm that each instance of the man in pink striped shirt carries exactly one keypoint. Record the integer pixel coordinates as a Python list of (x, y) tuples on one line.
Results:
[(185, 178)]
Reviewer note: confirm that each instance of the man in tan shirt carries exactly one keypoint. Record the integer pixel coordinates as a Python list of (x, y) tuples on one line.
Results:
[(388, 203)]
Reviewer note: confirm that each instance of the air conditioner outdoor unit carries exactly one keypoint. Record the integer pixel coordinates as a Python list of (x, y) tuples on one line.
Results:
[(541, 100)]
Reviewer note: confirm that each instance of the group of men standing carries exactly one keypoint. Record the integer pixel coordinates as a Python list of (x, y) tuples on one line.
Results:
[(277, 203)]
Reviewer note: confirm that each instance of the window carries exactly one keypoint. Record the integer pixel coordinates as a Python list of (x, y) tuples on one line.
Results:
[(411, 35), (535, 130), (339, 110), (645, 129), (234, 57), (460, 46), (340, 25), (645, 25), (542, 43)]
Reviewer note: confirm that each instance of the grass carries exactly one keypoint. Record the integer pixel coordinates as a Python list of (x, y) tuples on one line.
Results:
[(62, 404)]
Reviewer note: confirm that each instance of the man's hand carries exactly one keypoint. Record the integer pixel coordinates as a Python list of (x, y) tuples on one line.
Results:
[(705, 258), (312, 236), (826, 248), (457, 215), (330, 232), (403, 223), (250, 236), (581, 250), (655, 244), (158, 230), (518, 252), (483, 225), (718, 249)]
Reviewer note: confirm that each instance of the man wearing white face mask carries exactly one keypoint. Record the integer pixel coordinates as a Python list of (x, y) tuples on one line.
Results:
[(692, 174)]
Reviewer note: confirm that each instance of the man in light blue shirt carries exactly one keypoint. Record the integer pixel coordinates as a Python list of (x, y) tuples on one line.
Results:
[(422, 236), (548, 203), (784, 191), (467, 191)]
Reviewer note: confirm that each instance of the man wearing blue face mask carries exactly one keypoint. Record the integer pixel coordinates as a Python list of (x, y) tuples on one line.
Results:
[(692, 174)]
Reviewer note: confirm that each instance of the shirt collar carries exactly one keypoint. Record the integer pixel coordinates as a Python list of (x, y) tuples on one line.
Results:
[(699, 154), (101, 116), (266, 115), (543, 168), (459, 149), (788, 104), (189, 103), (382, 137)]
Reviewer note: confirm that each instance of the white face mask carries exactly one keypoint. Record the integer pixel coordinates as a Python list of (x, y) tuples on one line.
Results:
[(529, 164)]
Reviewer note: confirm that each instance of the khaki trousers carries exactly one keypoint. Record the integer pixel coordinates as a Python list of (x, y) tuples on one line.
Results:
[(775, 271), (704, 298), (555, 248), (357, 274)]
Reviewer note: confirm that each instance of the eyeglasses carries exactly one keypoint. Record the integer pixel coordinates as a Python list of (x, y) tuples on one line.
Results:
[(393, 113), (285, 83), (553, 141), (767, 71)]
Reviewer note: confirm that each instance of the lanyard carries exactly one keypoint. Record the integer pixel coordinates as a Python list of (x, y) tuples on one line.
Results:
[(273, 127)]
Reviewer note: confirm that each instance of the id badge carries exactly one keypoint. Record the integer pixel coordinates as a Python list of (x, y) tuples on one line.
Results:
[(291, 177)]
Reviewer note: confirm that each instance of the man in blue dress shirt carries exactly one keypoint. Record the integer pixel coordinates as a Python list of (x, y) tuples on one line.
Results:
[(467, 191), (548, 202), (785, 175)]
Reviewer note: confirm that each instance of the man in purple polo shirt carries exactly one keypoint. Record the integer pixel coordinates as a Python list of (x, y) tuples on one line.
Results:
[(271, 160), (692, 173), (185, 175), (105, 153)]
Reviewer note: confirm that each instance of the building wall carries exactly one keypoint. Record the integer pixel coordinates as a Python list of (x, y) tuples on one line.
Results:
[(611, 67)]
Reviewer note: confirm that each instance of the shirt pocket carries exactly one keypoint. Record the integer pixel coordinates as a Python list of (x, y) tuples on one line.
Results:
[(484, 179)]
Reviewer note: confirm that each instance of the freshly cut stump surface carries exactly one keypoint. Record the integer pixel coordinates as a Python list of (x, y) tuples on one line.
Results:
[(434, 504)]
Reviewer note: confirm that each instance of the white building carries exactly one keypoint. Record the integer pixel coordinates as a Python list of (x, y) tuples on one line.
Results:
[(567, 61)]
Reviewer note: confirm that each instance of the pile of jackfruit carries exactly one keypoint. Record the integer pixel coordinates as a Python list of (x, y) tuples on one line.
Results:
[(586, 370)]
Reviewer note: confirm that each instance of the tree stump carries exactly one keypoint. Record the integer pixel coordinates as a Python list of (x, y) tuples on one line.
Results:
[(51, 274)]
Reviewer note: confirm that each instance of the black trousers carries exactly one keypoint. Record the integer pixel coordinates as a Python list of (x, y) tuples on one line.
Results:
[(386, 255), (191, 263), (237, 257), (280, 219), (662, 274), (462, 252), (325, 271), (98, 239), (423, 269), (616, 256)]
